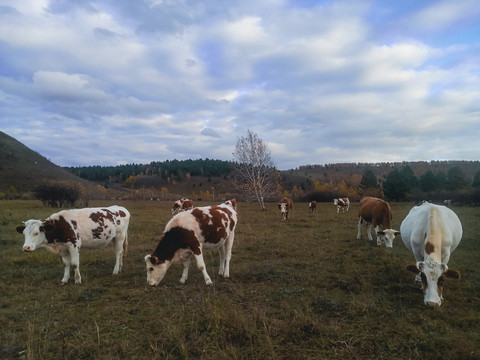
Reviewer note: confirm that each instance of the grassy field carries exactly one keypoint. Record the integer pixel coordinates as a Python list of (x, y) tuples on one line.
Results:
[(306, 289)]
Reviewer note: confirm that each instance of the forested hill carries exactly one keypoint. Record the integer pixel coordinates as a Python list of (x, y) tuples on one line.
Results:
[(180, 169), (165, 169)]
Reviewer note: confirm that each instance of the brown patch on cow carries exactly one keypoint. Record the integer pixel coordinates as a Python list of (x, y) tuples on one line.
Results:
[(122, 214), (211, 224), (101, 219), (175, 239), (59, 230), (74, 223), (429, 248)]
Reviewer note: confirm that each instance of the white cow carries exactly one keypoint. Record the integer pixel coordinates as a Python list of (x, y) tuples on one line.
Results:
[(65, 232), (189, 233), (431, 232), (342, 203)]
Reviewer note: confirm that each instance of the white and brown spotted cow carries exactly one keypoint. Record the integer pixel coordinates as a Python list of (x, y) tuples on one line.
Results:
[(342, 203), (66, 231), (182, 205), (377, 213), (312, 205), (190, 233), (285, 206), (431, 232)]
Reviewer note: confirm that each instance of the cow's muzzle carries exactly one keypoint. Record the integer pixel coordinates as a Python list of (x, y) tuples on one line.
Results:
[(27, 249)]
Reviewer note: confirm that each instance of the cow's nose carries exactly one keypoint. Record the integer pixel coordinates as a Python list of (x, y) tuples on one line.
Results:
[(26, 248), (432, 303)]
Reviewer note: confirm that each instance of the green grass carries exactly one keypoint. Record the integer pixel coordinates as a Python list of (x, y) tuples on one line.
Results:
[(306, 289)]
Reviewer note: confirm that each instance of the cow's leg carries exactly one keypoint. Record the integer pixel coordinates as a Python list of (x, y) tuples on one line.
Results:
[(201, 266), (369, 232), (379, 237), (118, 244), (186, 265), (75, 262), (228, 254), (66, 271), (359, 233), (221, 267)]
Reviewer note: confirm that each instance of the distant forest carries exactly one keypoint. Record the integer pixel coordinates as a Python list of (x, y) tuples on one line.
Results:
[(400, 181), (164, 169)]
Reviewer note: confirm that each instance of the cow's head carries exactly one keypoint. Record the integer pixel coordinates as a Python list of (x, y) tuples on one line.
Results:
[(232, 203), (283, 206), (34, 233), (433, 276), (177, 206), (156, 269), (387, 236)]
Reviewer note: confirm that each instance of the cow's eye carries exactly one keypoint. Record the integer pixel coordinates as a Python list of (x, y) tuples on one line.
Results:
[(35, 234), (151, 269), (441, 280)]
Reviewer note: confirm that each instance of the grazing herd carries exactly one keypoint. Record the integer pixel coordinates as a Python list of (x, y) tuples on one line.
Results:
[(431, 232)]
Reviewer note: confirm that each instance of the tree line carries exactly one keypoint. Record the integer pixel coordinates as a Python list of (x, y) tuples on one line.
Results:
[(164, 169)]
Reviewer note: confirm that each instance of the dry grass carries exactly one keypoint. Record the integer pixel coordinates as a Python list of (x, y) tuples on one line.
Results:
[(306, 289)]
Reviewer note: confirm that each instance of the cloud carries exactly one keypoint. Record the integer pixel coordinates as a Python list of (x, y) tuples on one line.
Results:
[(318, 82)]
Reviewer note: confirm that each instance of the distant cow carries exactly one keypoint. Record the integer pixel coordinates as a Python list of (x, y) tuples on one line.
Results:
[(447, 203), (285, 206), (312, 205), (65, 232), (189, 233), (377, 213), (431, 232), (182, 205), (342, 203)]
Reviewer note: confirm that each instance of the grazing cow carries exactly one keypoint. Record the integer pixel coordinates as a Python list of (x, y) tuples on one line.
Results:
[(431, 232), (312, 205), (182, 205), (285, 205), (342, 203), (447, 203), (189, 233), (377, 213), (66, 231)]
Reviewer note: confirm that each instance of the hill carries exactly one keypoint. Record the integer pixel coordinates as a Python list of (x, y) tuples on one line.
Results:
[(24, 168)]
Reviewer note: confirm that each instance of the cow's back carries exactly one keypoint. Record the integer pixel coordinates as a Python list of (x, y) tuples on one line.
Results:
[(417, 225), (376, 211), (96, 227)]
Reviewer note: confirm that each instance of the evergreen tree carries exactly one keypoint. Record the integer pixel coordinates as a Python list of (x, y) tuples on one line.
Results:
[(396, 186), (428, 182), (476, 181), (456, 179), (369, 180)]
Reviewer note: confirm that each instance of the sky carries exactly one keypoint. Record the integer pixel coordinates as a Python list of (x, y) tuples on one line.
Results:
[(110, 82)]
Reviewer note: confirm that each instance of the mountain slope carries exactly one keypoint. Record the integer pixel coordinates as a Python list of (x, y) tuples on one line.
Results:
[(24, 168)]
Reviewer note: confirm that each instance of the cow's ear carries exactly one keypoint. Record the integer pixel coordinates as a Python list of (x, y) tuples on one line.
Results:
[(397, 233), (153, 259), (412, 268), (20, 229), (452, 274)]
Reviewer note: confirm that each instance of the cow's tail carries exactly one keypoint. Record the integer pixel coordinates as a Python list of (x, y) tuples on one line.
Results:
[(125, 245)]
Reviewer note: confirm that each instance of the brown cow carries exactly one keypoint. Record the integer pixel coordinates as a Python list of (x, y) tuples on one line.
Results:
[(285, 205), (312, 205), (377, 213)]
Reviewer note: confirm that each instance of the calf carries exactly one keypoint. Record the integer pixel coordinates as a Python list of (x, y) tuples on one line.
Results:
[(342, 203), (431, 232), (182, 205), (189, 233), (312, 205), (285, 205), (377, 213), (65, 232)]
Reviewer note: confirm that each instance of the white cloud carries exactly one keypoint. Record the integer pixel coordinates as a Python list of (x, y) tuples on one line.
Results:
[(319, 83)]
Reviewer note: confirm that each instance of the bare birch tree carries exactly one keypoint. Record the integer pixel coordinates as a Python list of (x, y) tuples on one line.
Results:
[(253, 169)]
